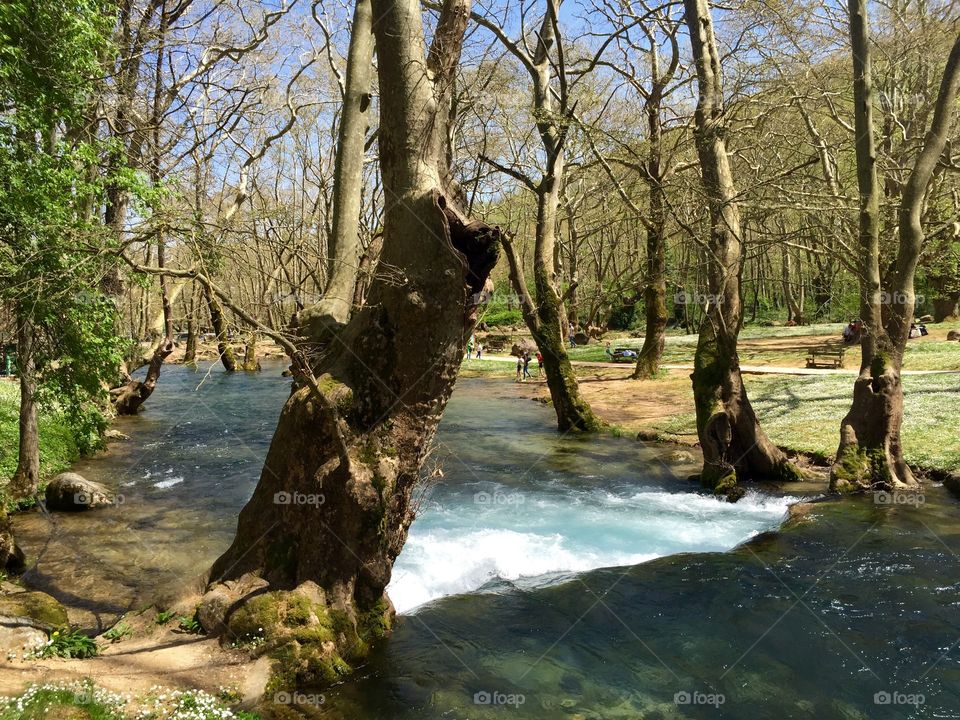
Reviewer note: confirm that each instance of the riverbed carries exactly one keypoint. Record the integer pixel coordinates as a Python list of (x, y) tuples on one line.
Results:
[(550, 575)]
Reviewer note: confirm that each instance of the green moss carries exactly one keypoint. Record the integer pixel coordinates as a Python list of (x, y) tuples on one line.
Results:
[(860, 468), (36, 605)]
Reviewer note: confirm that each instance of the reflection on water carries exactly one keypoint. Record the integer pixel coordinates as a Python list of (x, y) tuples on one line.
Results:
[(832, 618)]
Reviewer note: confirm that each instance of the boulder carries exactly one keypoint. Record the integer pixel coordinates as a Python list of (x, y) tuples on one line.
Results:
[(71, 492), (26, 619), (523, 346), (217, 603), (581, 338), (925, 319), (953, 335), (115, 435)]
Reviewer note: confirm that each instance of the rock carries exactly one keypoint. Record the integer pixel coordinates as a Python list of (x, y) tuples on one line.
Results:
[(953, 335), (523, 346), (681, 457), (115, 435), (215, 605), (30, 608), (20, 641), (952, 483), (11, 557), (71, 492), (581, 338), (925, 319)]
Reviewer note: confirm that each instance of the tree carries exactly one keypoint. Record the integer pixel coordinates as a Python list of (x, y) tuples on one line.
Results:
[(544, 312), (50, 251), (734, 445), (333, 504), (870, 454)]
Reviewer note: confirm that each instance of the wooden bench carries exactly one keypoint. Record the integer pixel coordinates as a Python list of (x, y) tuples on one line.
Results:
[(826, 356), (620, 355)]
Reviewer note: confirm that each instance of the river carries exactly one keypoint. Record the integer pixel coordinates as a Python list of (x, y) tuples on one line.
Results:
[(548, 575)]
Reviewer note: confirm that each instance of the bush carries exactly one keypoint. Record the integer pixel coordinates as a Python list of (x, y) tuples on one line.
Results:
[(496, 317)]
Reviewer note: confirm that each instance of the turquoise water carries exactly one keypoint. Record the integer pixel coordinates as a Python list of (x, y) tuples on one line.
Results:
[(554, 577)]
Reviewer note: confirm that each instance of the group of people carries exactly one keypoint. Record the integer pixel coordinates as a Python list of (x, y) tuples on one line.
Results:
[(853, 330), (523, 365), (470, 346)]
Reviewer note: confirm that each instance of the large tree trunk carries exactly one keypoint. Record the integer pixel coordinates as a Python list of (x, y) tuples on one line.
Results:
[(227, 356), (344, 246), (333, 504), (734, 445), (870, 454), (26, 478)]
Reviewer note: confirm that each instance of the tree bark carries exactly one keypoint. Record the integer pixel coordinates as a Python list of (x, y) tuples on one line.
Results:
[(344, 245), (734, 445), (26, 478), (870, 454), (331, 510), (547, 319), (224, 348)]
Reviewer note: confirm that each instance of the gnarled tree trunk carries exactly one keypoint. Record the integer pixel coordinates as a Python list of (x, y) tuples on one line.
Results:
[(734, 445), (870, 454), (333, 504)]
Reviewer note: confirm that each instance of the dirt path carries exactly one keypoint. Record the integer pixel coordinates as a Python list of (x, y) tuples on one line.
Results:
[(151, 656)]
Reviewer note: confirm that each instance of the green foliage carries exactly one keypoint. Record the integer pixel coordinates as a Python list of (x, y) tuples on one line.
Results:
[(501, 316), (69, 644), (164, 617), (58, 446), (118, 632), (190, 624)]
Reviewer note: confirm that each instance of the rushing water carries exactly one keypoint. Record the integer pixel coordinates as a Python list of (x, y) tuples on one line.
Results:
[(527, 582)]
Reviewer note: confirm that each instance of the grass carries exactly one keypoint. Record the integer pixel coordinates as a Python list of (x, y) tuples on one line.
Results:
[(58, 448), (803, 413)]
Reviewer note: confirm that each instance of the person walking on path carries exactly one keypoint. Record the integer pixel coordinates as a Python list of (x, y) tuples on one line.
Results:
[(519, 368), (526, 365), (539, 364), (479, 350)]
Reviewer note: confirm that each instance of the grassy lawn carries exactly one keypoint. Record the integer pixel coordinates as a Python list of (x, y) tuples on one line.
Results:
[(58, 449), (804, 414), (761, 346)]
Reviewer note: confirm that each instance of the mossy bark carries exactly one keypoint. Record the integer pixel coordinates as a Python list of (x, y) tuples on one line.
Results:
[(733, 443), (334, 501)]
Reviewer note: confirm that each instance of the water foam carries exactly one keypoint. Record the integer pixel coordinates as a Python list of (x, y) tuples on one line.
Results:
[(457, 546)]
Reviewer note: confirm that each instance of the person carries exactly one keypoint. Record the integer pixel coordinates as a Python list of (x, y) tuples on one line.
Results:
[(526, 364), (479, 350), (923, 329), (914, 331), (519, 367), (848, 333), (573, 341), (539, 363), (608, 351), (470, 347)]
